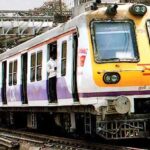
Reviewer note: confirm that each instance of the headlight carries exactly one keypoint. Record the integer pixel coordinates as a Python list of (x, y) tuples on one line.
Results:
[(111, 77), (114, 78), (138, 9)]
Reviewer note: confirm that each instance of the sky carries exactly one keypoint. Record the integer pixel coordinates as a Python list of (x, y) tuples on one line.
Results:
[(20, 4)]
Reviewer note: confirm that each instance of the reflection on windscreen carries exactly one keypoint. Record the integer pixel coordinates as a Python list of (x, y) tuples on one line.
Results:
[(114, 41)]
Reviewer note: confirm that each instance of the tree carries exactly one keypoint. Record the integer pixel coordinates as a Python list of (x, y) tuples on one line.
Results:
[(55, 8), (51, 8)]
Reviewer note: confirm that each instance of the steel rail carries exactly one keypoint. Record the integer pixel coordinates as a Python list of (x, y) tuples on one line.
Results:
[(57, 142)]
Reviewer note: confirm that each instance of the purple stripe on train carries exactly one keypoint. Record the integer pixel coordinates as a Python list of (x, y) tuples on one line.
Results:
[(38, 90), (62, 90), (13, 93), (0, 94), (103, 94)]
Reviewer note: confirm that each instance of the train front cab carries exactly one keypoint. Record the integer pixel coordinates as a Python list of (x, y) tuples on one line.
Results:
[(120, 52)]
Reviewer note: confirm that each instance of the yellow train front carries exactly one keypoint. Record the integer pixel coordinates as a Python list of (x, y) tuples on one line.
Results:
[(119, 68)]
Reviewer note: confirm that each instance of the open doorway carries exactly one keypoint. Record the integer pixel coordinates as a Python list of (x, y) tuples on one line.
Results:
[(24, 60), (74, 70), (4, 77), (52, 72)]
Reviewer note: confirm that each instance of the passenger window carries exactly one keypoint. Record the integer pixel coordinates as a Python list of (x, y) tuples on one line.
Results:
[(36, 67), (10, 73), (13, 73), (39, 66), (63, 58), (32, 75)]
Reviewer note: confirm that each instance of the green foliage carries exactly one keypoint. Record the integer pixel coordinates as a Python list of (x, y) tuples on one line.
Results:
[(51, 8)]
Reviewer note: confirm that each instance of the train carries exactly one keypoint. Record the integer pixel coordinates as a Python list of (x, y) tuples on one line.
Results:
[(103, 75)]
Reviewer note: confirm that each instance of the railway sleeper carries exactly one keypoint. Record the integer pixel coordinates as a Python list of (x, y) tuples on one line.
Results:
[(8, 142)]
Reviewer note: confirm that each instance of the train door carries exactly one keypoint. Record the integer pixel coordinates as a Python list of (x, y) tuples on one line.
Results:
[(51, 89), (4, 77), (74, 68), (24, 60)]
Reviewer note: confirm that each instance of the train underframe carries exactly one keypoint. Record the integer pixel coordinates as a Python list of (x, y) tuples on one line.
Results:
[(77, 121)]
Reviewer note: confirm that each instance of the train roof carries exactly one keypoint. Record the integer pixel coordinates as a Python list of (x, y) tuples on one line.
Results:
[(69, 25)]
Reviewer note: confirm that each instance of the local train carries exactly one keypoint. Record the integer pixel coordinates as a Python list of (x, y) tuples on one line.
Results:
[(103, 75)]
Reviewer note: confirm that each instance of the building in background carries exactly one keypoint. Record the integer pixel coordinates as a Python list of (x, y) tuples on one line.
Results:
[(69, 3)]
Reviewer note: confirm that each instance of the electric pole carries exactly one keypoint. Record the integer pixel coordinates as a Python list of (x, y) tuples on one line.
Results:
[(60, 4), (76, 3)]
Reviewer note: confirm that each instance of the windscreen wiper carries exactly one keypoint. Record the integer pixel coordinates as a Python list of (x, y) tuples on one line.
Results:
[(111, 59)]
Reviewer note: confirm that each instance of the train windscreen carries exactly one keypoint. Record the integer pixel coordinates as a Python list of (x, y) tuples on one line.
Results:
[(114, 41)]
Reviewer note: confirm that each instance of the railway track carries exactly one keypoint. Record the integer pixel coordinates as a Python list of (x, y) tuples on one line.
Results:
[(12, 139)]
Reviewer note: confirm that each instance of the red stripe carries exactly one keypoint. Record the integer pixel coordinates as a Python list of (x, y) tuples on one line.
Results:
[(143, 64), (146, 74), (53, 39)]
